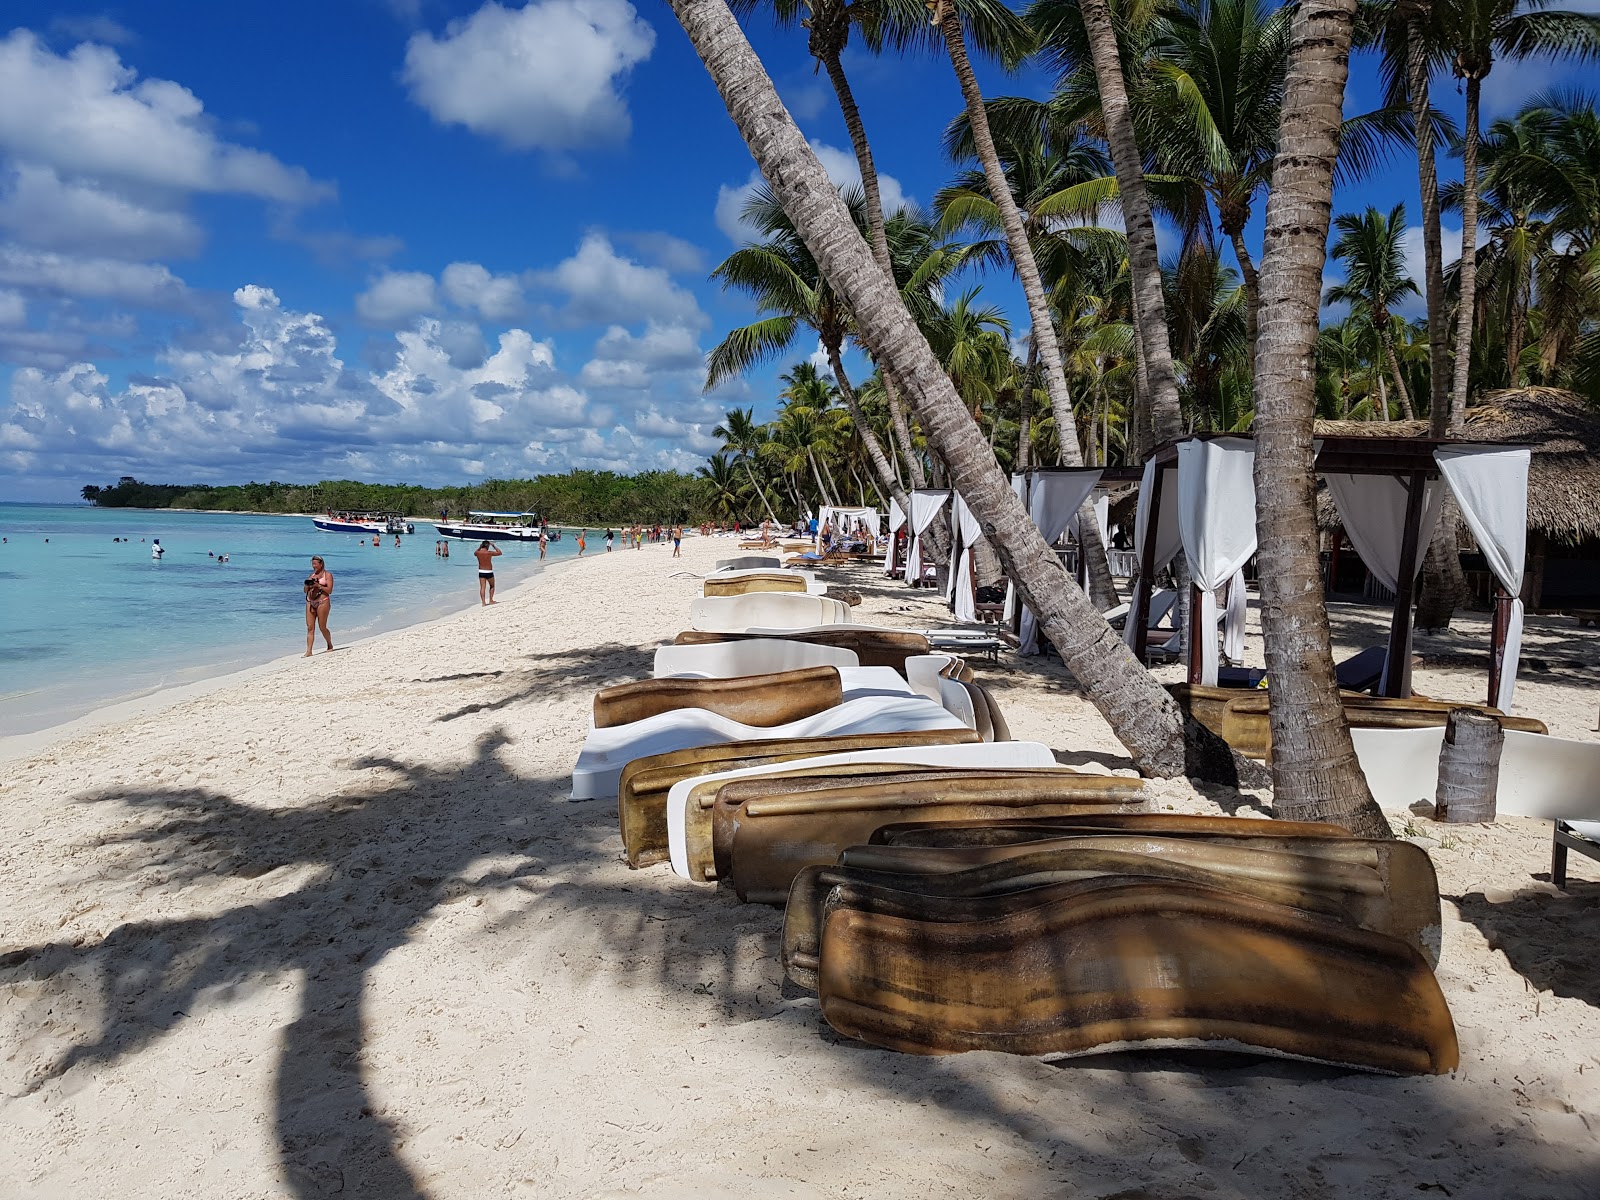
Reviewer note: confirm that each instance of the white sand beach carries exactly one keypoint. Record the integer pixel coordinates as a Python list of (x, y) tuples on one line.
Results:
[(334, 928)]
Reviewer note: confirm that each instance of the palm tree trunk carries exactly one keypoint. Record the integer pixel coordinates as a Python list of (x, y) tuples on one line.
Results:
[(1314, 769), (1144, 258), (877, 239), (760, 491), (1141, 713), (1252, 289), (1055, 378), (816, 477), (1025, 410), (902, 430), (1399, 379), (1468, 275), (1417, 84), (1383, 395), (869, 439), (1143, 439)]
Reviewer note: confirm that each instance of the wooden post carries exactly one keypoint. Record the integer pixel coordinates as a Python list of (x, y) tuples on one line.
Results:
[(1139, 611), (1469, 767), (1333, 562), (1196, 651), (1497, 641), (1398, 681)]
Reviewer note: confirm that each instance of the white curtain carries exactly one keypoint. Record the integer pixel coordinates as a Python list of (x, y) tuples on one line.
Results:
[(897, 520), (1491, 489), (1168, 539), (926, 504), (1233, 620), (960, 586), (1217, 523), (1053, 504), (1019, 489), (1372, 509)]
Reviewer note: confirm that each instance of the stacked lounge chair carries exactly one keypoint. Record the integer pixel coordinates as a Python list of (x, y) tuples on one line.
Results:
[(947, 888)]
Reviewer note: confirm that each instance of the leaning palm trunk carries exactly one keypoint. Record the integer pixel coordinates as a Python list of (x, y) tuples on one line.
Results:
[(902, 431), (1141, 713), (1399, 379), (760, 491), (1417, 84), (1144, 259), (1252, 289), (1314, 769), (1468, 273), (869, 439)]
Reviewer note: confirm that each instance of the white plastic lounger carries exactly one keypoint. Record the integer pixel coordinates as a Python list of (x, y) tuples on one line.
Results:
[(813, 587), (781, 610), (758, 656), (978, 754), (749, 562), (922, 672), (606, 751)]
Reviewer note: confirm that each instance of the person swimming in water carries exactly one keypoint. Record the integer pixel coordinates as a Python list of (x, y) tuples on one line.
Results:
[(319, 599), (486, 553)]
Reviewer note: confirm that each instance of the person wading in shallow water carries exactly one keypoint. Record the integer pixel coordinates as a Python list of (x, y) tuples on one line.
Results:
[(486, 553), (319, 599)]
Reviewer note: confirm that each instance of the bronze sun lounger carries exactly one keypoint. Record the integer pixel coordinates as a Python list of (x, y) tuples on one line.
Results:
[(773, 699), (1383, 886), (644, 783), (874, 647), (1034, 829), (743, 585), (769, 831), (1137, 963)]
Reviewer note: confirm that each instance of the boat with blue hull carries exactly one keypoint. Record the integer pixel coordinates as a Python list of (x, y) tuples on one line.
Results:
[(493, 527)]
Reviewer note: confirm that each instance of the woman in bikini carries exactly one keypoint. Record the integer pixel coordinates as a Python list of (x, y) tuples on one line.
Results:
[(319, 598)]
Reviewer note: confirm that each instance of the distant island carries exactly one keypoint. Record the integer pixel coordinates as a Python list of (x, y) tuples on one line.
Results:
[(575, 498)]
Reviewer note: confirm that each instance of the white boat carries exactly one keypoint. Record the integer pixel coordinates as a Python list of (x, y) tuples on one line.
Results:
[(364, 522), (493, 527)]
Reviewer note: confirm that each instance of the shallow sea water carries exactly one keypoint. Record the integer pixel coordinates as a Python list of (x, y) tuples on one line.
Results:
[(85, 621)]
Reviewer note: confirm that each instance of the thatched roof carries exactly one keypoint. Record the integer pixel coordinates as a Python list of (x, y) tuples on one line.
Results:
[(1562, 430)]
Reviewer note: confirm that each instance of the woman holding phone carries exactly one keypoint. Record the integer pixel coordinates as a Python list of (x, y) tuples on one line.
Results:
[(319, 599)]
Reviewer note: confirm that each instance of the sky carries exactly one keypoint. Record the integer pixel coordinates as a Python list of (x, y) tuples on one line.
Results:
[(419, 241)]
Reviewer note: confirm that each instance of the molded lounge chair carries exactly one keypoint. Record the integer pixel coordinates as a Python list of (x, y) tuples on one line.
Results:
[(923, 672), (735, 614), (1384, 886), (1147, 962), (1161, 617), (873, 647), (765, 700), (756, 656), (1038, 829), (1362, 671), (743, 584), (769, 833), (1552, 778), (976, 707), (746, 562), (645, 782), (1239, 717), (607, 751), (1011, 755)]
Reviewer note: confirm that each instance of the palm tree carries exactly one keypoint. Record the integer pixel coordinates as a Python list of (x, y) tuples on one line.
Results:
[(1369, 247), (803, 425), (1142, 714), (1314, 767), (1474, 33), (723, 488), (744, 438)]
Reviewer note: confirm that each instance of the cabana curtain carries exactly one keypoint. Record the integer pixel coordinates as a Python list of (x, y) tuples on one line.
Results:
[(1217, 524), (926, 504), (897, 520), (1491, 489), (960, 588), (1372, 509), (1169, 540), (1053, 502), (1019, 489)]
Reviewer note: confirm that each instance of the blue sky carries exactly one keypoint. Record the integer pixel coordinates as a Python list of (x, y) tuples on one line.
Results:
[(404, 240)]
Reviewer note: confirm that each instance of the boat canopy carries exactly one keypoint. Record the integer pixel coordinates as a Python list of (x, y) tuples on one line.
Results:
[(508, 515)]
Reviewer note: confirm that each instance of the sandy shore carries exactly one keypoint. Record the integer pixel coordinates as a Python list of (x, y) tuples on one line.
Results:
[(335, 929)]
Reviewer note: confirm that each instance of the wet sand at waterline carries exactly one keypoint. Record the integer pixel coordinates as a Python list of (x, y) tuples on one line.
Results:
[(334, 929)]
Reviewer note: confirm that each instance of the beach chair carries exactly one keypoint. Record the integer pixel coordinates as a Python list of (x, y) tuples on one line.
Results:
[(746, 583), (763, 700), (1362, 671), (748, 562), (775, 610), (874, 646), (752, 656)]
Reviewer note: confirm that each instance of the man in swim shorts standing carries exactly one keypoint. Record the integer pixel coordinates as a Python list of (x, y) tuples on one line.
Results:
[(486, 553)]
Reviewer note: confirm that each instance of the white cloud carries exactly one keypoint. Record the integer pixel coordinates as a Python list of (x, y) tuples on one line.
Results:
[(85, 114), (841, 167), (546, 75), (148, 285), (96, 27), (1416, 260), (636, 362), (41, 209), (397, 297), (469, 285), (667, 251), (604, 286), (13, 309)]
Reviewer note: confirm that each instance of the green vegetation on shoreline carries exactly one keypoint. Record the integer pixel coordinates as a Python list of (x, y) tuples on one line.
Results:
[(576, 498)]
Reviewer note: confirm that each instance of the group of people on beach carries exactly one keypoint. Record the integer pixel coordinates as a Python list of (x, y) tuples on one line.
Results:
[(633, 535)]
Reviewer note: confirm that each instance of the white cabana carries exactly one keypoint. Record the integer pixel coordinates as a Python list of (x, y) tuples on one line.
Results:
[(926, 505), (897, 521), (961, 586), (1155, 492), (1054, 499), (1490, 485), (1217, 525), (846, 517)]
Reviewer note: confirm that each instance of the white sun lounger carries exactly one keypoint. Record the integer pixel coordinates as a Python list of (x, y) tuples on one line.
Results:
[(922, 672), (1552, 778), (749, 562), (981, 754), (757, 656), (780, 610), (606, 751), (813, 586)]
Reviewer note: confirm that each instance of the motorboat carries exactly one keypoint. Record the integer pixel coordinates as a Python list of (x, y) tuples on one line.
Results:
[(364, 522), (493, 527)]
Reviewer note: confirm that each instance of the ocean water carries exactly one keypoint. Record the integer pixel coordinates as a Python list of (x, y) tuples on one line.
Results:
[(86, 621)]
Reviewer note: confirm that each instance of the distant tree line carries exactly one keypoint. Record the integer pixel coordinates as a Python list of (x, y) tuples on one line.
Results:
[(576, 498)]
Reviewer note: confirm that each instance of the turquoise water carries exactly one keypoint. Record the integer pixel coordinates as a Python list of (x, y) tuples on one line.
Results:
[(85, 621)]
